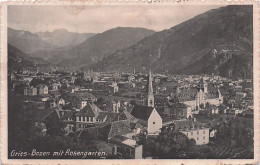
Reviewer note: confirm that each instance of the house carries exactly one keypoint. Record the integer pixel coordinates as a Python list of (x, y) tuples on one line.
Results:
[(61, 101), (121, 135), (113, 87), (56, 86), (200, 135), (42, 89), (212, 133), (52, 103), (30, 91), (87, 116), (126, 147), (147, 117), (178, 110), (131, 78), (112, 106), (67, 116)]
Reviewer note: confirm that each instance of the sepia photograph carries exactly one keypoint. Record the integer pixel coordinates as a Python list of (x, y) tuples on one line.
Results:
[(130, 82)]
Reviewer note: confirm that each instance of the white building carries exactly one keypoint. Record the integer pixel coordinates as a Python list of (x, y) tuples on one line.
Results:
[(200, 135), (148, 117)]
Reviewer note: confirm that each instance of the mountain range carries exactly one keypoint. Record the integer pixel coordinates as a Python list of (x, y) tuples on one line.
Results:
[(96, 47), (27, 42), (62, 37), (219, 42)]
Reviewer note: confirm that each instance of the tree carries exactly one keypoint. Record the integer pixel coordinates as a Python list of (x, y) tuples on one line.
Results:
[(101, 101), (36, 81), (132, 102)]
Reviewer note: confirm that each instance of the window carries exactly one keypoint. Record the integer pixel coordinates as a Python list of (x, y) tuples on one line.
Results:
[(191, 133), (198, 138), (79, 125), (203, 132), (153, 122), (79, 118), (83, 118), (203, 137), (198, 132)]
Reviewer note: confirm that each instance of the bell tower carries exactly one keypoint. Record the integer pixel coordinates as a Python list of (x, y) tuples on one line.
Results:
[(150, 96)]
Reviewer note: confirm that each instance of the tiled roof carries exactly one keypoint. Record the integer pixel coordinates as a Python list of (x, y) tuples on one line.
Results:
[(121, 128), (110, 116), (66, 113), (141, 112), (90, 110), (125, 115)]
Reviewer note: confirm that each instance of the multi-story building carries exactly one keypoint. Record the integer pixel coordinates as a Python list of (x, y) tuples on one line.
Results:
[(200, 135), (42, 89), (30, 91)]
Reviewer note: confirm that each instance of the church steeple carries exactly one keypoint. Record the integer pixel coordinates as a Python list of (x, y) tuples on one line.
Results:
[(150, 97)]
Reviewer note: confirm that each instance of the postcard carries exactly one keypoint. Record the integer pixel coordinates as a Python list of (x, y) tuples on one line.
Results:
[(130, 82)]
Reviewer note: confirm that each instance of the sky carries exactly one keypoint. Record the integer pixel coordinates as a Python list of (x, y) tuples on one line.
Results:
[(97, 19)]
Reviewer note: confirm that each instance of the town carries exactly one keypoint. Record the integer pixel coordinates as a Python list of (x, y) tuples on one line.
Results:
[(132, 115)]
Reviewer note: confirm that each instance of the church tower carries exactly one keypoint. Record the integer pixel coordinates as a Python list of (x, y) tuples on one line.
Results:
[(150, 97)]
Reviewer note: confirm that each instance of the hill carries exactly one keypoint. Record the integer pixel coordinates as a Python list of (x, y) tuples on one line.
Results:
[(219, 42), (18, 60), (96, 47)]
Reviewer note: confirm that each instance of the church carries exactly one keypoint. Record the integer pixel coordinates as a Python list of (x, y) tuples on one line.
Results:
[(196, 98), (147, 115)]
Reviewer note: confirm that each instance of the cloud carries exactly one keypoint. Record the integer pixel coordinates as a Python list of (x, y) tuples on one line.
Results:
[(97, 19)]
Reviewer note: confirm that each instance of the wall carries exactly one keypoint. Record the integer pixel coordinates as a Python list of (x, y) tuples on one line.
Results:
[(198, 137), (154, 127)]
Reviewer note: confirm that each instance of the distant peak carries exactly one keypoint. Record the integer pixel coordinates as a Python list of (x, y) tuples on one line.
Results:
[(60, 30)]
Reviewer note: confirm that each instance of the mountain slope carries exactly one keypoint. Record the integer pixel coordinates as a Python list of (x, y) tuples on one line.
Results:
[(96, 47), (62, 37), (18, 60), (27, 41), (216, 42)]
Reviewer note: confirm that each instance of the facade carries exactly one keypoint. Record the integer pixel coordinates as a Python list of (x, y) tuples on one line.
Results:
[(148, 117), (87, 116), (200, 135), (178, 110), (116, 106), (42, 89), (30, 91), (114, 87)]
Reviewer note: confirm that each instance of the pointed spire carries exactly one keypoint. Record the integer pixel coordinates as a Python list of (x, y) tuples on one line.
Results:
[(150, 97), (150, 87)]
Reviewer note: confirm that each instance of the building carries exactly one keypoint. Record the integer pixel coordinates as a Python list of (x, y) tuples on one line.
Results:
[(61, 101), (30, 91), (178, 110), (42, 89), (68, 118), (113, 87), (126, 147), (197, 97), (87, 116), (148, 117), (200, 135)]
